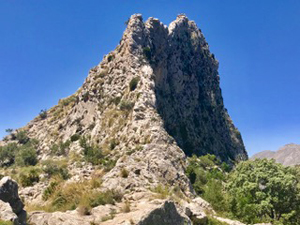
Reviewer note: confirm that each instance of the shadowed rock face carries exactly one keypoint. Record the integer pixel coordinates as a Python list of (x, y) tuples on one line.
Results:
[(288, 155), (188, 95)]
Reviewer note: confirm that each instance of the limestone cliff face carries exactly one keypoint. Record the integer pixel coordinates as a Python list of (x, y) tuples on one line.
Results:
[(188, 96), (151, 101)]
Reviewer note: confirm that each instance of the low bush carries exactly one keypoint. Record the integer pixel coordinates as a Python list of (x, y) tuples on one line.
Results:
[(75, 137), (28, 176), (67, 101), (50, 190), (68, 196), (116, 100), (91, 152), (43, 114), (26, 156), (7, 154), (162, 191), (113, 143), (133, 83), (110, 58), (126, 105), (61, 148), (22, 137), (56, 168)]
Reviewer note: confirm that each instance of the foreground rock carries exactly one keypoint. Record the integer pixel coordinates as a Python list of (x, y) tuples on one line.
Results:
[(142, 212), (9, 194), (6, 213)]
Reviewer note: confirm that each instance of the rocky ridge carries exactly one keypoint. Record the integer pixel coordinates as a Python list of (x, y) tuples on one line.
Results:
[(288, 155)]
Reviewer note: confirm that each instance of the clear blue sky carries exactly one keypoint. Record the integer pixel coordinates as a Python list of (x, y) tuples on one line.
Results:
[(47, 48)]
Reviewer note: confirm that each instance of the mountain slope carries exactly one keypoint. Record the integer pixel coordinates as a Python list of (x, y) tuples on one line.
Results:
[(288, 155), (152, 100)]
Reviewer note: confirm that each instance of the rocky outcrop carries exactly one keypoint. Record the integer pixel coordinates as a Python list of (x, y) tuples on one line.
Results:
[(9, 194), (165, 214), (288, 155)]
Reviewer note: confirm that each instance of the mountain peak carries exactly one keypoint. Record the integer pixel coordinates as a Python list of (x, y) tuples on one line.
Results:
[(153, 100)]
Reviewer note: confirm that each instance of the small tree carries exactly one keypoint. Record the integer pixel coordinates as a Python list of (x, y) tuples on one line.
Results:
[(43, 114), (9, 130)]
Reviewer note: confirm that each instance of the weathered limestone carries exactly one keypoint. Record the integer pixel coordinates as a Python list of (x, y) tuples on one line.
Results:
[(175, 109), (9, 194)]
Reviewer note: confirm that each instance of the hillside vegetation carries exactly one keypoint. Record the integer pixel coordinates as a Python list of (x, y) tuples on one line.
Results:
[(253, 192)]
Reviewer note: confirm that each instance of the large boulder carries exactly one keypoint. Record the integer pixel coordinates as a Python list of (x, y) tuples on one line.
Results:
[(165, 214), (9, 194)]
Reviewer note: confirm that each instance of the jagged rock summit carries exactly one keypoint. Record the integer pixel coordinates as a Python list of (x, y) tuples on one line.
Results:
[(178, 81), (151, 102)]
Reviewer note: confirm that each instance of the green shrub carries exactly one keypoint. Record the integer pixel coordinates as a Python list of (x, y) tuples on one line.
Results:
[(67, 101), (69, 196), (126, 105), (162, 191), (56, 168), (133, 83), (116, 100), (26, 156), (43, 114), (61, 148), (75, 137), (86, 96), (203, 171), (50, 190), (110, 58), (92, 153), (7, 154), (108, 164), (22, 137), (113, 143), (103, 198), (213, 193), (147, 53), (29, 176)]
